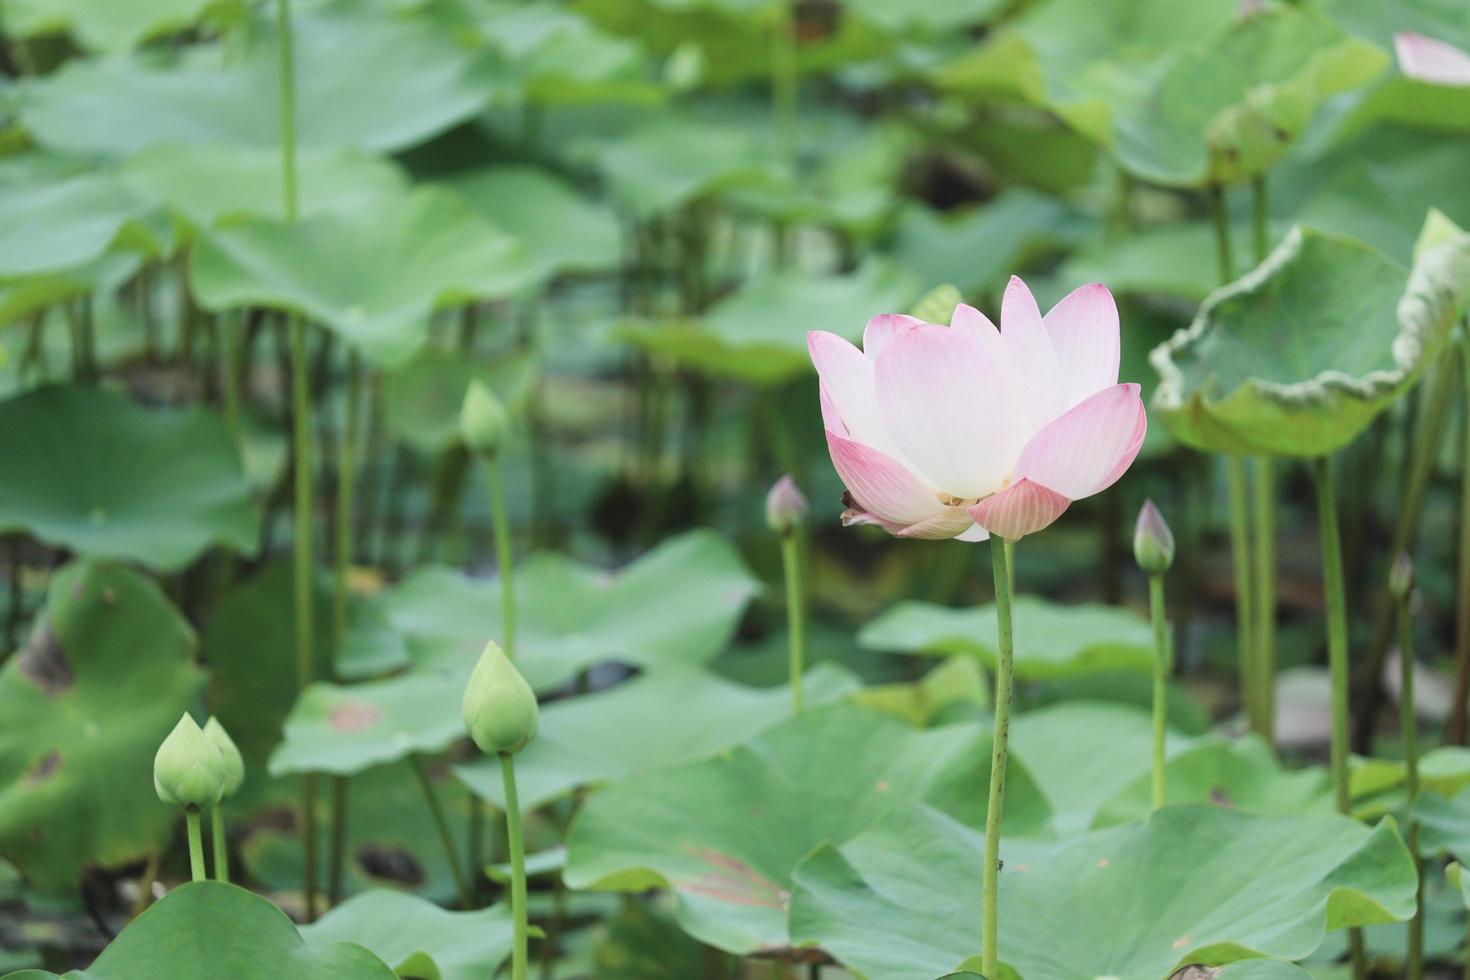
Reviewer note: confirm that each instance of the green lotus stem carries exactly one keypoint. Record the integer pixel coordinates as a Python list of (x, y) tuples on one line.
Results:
[(436, 810), (1163, 664), (1000, 558), (301, 441), (1260, 234), (346, 488), (1457, 727), (795, 616), (1264, 600), (196, 843), (503, 558), (1244, 618), (518, 959), (1332, 585), (221, 848), (1222, 233), (1410, 730), (783, 80), (338, 846)]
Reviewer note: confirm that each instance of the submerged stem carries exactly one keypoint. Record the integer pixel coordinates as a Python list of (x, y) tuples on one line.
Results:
[(795, 616), (1004, 652), (1163, 664), (518, 959)]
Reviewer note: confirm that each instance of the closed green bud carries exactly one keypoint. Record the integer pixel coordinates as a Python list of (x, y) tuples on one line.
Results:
[(785, 506), (1153, 542), (188, 769), (499, 706), (234, 762), (1401, 576), (483, 422)]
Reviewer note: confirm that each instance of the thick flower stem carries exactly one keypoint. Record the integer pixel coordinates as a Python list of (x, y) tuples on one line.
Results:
[(221, 847), (1004, 652), (518, 959), (436, 810), (1264, 599), (1457, 727), (1241, 565), (196, 843), (795, 616), (1163, 665), (501, 527), (1410, 730)]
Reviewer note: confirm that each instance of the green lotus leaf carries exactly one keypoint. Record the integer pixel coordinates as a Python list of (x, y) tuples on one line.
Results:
[(343, 729), (1051, 640), (557, 57), (1259, 969), (562, 230), (90, 470), (1176, 260), (105, 675), (363, 80), (58, 222), (669, 161), (957, 684), (1299, 355), (1192, 884), (978, 250), (605, 737), (206, 185), (391, 841), (639, 943), (677, 604), (422, 399), (758, 334), (724, 834), (40, 292), (405, 931), (374, 277), (1181, 94), (181, 936), (104, 25)]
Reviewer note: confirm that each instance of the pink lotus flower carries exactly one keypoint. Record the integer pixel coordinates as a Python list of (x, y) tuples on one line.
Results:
[(1427, 60), (966, 431)]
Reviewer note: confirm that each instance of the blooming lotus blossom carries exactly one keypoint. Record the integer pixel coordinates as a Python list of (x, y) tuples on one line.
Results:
[(966, 431), (1427, 60)]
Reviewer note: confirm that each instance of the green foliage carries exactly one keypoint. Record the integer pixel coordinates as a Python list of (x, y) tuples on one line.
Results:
[(417, 937)]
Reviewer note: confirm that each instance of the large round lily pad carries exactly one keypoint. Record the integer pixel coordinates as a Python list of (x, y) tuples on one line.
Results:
[(363, 80), (605, 736), (90, 470), (210, 929), (105, 675), (1192, 884), (725, 834), (373, 276), (758, 334), (54, 222), (1052, 640), (417, 937), (679, 603), (1299, 355)]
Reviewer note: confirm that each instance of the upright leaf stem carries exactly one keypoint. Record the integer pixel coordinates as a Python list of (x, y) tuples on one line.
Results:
[(503, 556), (517, 846), (1264, 600), (1004, 657), (1336, 600), (1223, 252), (783, 80), (795, 616), (1163, 665), (1240, 563), (436, 811), (1457, 726), (221, 846), (1410, 730)]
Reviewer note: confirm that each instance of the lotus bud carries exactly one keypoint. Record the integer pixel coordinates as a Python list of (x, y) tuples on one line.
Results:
[(483, 422), (230, 753), (499, 706), (1401, 577), (785, 506), (1153, 542), (188, 769)]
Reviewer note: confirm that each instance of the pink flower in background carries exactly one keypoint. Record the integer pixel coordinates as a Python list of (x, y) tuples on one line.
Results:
[(966, 431), (1427, 60)]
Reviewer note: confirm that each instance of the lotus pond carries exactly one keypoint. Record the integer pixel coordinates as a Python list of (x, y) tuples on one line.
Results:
[(668, 489)]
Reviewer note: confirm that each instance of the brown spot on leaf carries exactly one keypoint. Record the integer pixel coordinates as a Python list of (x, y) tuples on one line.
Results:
[(883, 785), (44, 767), (1180, 943), (390, 862), (1103, 862), (734, 881), (1219, 797), (354, 716), (43, 663)]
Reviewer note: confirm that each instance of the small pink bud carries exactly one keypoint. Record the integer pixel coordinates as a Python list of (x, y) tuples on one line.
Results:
[(1153, 542), (785, 506)]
